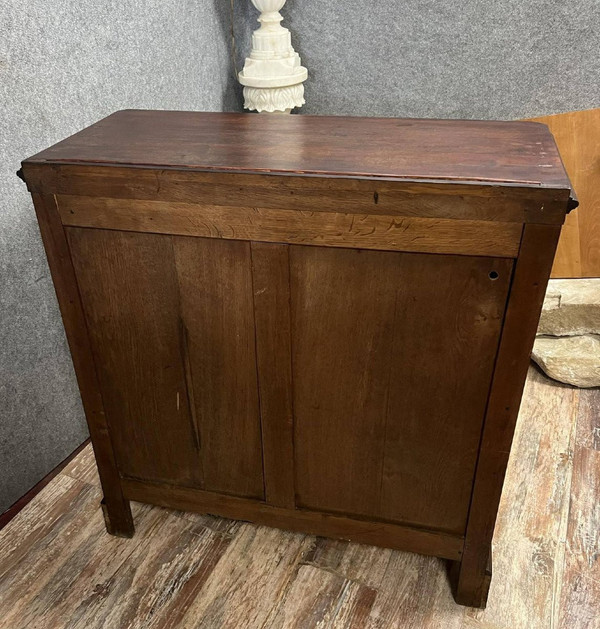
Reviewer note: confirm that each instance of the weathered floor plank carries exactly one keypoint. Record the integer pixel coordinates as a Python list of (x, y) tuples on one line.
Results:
[(59, 569), (580, 595), (83, 467)]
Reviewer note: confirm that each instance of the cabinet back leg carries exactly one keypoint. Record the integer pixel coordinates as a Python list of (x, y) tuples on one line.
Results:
[(118, 518), (470, 586)]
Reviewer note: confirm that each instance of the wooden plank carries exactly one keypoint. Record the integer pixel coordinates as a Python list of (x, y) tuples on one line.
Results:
[(24, 500), (154, 587), (271, 286), (411, 590), (253, 573), (312, 523), (321, 598), (215, 290), (525, 302), (580, 591), (505, 203), (578, 138), (83, 468), (334, 229), (365, 328), (61, 553), (65, 284), (342, 321), (128, 286), (58, 567)]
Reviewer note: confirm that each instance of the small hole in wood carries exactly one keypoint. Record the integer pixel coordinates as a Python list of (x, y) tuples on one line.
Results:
[(493, 275)]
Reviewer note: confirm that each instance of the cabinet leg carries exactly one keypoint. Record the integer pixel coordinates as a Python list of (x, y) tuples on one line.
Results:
[(470, 586), (117, 517)]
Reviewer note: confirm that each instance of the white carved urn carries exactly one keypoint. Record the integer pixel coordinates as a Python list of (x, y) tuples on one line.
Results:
[(273, 74)]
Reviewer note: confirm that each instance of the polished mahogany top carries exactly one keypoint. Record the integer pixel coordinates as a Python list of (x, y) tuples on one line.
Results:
[(518, 153)]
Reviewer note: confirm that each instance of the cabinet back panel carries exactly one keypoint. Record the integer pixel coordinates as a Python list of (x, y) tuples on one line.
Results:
[(164, 342), (128, 287), (392, 357), (215, 281)]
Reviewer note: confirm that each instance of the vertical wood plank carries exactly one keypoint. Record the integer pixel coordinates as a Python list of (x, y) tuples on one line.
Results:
[(271, 285), (531, 275), (119, 520), (129, 290), (342, 316), (215, 287)]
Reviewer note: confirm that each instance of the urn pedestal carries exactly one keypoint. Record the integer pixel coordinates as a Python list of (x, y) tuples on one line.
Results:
[(273, 76)]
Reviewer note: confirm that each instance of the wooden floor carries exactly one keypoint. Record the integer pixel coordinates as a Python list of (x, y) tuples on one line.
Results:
[(59, 569)]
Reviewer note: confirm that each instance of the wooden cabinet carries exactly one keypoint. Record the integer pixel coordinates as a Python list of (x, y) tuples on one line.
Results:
[(322, 324)]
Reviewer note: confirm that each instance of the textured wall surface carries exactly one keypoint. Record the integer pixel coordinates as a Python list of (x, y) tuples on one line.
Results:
[(505, 59), (63, 65)]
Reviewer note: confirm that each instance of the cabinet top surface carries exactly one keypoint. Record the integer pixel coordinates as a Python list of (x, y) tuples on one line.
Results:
[(519, 153)]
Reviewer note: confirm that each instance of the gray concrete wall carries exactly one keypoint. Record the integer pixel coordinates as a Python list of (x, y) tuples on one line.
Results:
[(63, 65), (503, 59)]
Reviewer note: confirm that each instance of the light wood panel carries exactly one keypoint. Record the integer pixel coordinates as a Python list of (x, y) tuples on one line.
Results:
[(365, 326), (333, 229), (60, 570), (577, 134)]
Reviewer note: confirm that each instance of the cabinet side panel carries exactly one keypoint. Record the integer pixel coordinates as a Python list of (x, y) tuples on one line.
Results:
[(129, 291), (392, 362), (215, 282)]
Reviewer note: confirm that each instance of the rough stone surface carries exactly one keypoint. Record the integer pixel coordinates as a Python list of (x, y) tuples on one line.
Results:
[(571, 308), (571, 359), (63, 65)]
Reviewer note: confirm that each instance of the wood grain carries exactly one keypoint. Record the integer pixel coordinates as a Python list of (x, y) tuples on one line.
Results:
[(501, 202), (59, 569), (580, 593), (128, 285), (529, 544), (67, 292), (322, 598), (271, 286), (577, 134), (364, 328), (517, 152), (334, 229), (313, 523), (215, 292), (522, 314)]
